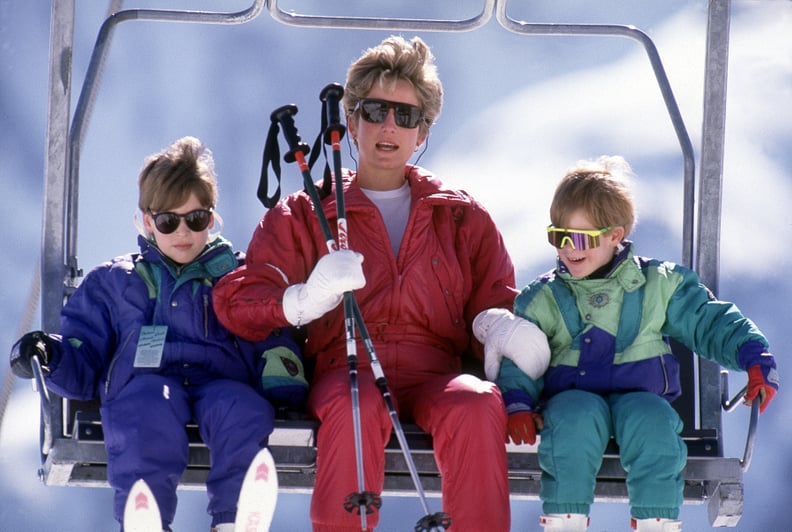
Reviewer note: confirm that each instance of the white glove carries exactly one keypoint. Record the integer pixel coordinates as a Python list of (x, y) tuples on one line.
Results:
[(506, 335), (334, 274)]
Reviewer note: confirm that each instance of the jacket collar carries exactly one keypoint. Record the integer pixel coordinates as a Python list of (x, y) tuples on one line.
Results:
[(424, 188), (625, 270), (217, 259)]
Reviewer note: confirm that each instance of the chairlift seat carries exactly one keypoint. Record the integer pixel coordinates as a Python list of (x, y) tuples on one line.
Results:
[(78, 458)]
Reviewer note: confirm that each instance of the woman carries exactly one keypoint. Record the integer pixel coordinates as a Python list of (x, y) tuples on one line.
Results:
[(433, 260)]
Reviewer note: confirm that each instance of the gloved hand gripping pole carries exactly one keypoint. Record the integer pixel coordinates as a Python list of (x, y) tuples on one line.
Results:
[(362, 501), (331, 97)]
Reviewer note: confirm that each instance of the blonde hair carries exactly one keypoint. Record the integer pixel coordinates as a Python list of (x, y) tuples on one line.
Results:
[(392, 60), (601, 189), (170, 176)]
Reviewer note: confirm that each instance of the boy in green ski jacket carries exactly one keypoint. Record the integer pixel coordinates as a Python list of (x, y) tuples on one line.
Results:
[(608, 314)]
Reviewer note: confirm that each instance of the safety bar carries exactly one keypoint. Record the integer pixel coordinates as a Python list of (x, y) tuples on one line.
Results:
[(47, 437), (615, 30), (90, 85), (729, 405), (372, 23)]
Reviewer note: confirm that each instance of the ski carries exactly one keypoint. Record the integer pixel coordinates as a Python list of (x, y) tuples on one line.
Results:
[(255, 508), (141, 513), (258, 495)]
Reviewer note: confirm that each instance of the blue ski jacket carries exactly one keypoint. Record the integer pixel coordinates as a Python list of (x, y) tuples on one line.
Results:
[(94, 355), (611, 334)]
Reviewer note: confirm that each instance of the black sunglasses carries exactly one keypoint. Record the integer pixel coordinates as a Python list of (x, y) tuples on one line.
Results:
[(168, 222), (375, 111)]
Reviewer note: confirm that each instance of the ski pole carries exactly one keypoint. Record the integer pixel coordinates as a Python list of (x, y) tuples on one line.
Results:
[(331, 97), (364, 501), (297, 152)]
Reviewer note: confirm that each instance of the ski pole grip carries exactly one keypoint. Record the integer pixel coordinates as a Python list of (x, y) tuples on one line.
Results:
[(331, 96), (285, 117)]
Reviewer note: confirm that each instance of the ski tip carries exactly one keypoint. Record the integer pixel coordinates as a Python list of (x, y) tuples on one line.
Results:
[(258, 495), (262, 471), (141, 513)]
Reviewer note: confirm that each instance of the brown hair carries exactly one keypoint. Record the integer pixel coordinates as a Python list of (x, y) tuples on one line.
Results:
[(170, 176), (601, 189)]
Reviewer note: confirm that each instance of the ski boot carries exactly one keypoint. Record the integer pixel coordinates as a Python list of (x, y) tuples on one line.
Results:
[(655, 524), (564, 522), (223, 527)]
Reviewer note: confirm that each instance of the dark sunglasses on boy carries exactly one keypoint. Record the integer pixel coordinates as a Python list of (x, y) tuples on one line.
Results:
[(168, 222), (375, 111)]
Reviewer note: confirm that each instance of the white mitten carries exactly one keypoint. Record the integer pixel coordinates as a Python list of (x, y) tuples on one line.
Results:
[(506, 335), (334, 274)]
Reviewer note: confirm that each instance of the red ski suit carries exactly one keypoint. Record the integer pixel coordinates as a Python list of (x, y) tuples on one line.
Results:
[(418, 308)]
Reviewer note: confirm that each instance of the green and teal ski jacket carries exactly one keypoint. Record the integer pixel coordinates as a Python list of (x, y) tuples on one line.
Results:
[(611, 334)]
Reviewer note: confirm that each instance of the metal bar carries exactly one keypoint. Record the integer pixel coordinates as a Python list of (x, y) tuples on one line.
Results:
[(55, 168), (711, 182), (374, 23), (729, 405), (47, 436), (55, 162), (90, 86), (631, 32), (713, 138)]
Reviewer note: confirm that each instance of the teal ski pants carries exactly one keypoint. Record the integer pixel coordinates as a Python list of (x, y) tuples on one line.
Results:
[(578, 426)]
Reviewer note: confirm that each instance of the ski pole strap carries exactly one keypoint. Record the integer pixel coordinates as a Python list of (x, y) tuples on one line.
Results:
[(271, 157), (330, 121), (285, 116), (327, 178)]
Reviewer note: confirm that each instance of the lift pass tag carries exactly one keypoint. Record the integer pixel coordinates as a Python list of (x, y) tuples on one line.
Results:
[(150, 344)]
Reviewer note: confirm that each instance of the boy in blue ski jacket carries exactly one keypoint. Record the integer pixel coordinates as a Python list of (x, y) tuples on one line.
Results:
[(607, 314), (140, 333)]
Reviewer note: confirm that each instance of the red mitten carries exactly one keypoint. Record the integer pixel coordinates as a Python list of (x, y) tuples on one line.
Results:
[(761, 384), (523, 426)]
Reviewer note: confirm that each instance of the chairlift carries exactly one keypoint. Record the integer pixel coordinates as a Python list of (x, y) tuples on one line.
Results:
[(71, 437)]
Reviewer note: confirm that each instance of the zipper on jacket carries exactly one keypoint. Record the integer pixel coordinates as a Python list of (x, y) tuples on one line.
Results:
[(113, 362), (665, 373), (206, 315)]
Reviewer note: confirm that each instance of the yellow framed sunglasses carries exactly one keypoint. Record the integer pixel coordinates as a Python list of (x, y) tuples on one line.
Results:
[(577, 238)]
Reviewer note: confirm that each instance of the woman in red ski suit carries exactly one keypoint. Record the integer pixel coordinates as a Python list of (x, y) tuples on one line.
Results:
[(427, 259)]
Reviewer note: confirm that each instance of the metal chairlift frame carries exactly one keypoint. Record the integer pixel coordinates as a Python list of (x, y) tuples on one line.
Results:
[(72, 447)]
